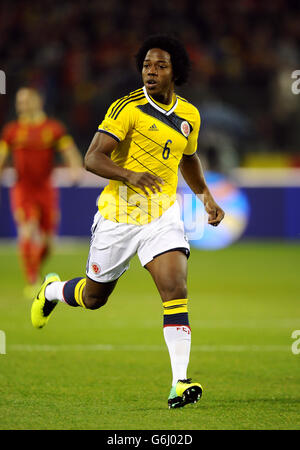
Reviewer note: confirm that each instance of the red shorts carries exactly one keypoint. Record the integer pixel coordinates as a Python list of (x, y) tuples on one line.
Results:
[(40, 204)]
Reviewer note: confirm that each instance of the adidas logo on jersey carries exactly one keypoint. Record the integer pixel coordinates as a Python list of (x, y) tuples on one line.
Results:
[(153, 128)]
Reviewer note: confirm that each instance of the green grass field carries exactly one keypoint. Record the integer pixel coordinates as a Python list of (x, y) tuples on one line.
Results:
[(109, 369)]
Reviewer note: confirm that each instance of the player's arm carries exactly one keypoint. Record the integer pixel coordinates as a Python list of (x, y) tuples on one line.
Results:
[(192, 172), (71, 156), (98, 161), (3, 154)]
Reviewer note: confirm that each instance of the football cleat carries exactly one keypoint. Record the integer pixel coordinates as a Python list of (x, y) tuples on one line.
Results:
[(184, 392), (41, 308)]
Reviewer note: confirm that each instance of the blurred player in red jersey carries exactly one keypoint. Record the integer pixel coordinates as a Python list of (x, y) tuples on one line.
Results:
[(32, 141)]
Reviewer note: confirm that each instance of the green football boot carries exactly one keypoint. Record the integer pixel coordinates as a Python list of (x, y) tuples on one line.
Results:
[(184, 392), (41, 308)]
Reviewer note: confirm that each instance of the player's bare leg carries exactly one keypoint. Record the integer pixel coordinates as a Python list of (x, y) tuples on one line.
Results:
[(29, 243), (79, 291), (46, 245), (169, 272), (96, 294)]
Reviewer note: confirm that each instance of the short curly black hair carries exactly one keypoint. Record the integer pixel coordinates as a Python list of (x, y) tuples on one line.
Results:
[(180, 60)]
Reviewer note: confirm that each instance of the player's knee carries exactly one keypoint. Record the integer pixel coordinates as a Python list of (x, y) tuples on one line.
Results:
[(174, 288), (92, 302)]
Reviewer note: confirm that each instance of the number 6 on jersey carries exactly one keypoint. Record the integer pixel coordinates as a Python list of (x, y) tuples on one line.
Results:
[(166, 150)]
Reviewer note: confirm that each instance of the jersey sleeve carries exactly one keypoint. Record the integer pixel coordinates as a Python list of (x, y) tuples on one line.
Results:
[(4, 148), (7, 134), (59, 129), (118, 120), (6, 139), (192, 143)]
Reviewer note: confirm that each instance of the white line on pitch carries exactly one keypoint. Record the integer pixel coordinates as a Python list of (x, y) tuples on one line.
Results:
[(142, 348)]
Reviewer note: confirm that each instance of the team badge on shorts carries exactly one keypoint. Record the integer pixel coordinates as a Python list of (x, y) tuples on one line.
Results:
[(95, 268), (185, 128)]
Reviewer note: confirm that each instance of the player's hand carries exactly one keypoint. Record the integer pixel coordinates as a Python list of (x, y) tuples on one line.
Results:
[(215, 213), (145, 181)]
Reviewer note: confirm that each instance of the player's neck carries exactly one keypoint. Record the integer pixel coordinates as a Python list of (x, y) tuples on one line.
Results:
[(164, 98), (33, 118)]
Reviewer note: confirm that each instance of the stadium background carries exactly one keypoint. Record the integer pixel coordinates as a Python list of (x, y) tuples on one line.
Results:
[(243, 55), (80, 55)]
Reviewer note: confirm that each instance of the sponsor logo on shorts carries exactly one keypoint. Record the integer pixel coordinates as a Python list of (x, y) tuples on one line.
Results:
[(95, 268)]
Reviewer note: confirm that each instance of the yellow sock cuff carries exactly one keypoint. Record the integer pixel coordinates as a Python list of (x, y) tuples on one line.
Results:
[(175, 306), (78, 292)]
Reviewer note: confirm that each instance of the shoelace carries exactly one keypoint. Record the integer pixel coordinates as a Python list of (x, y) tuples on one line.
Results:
[(188, 380)]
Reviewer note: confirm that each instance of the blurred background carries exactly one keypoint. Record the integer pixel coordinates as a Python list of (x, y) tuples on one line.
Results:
[(80, 55), (243, 274)]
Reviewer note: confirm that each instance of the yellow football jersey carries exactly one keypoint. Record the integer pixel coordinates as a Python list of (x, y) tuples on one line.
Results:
[(152, 137)]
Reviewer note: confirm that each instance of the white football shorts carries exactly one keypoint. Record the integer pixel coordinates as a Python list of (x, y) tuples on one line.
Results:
[(114, 244)]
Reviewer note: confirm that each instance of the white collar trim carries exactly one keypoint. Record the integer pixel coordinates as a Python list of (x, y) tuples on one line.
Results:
[(152, 103)]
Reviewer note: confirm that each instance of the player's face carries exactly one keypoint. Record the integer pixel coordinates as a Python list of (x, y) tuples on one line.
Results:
[(157, 73), (27, 102)]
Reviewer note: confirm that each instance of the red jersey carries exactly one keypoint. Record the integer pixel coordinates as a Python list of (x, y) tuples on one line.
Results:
[(33, 148)]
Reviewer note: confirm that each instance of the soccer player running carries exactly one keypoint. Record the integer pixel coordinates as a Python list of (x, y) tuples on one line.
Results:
[(143, 139), (32, 140)]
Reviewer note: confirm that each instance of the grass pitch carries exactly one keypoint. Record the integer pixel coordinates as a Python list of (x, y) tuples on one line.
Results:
[(109, 369)]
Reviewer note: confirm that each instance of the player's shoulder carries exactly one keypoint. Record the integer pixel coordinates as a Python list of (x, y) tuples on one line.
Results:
[(10, 127), (53, 121), (11, 124), (131, 96), (128, 101), (55, 125), (188, 110), (187, 105)]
